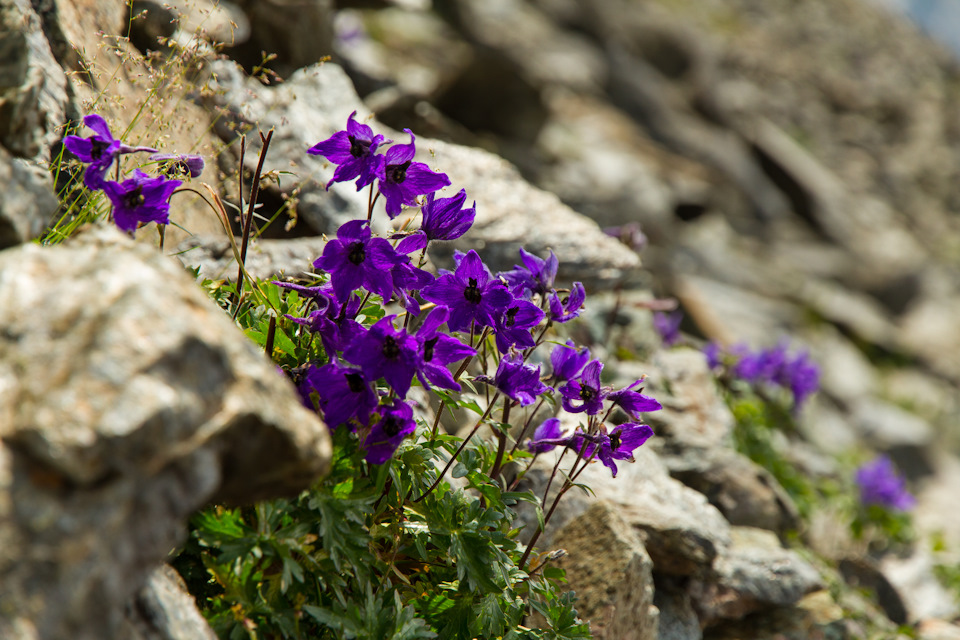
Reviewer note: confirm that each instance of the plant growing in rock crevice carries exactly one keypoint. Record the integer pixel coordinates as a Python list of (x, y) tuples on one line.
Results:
[(387, 546)]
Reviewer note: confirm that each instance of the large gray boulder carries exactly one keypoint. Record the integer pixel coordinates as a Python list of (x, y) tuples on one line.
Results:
[(127, 401)]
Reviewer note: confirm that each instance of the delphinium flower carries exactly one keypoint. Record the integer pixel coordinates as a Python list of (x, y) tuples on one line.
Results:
[(354, 151), (332, 320), (802, 376), (797, 373), (668, 326), (445, 218), (386, 352), (471, 294), (585, 389), (536, 276), (618, 444), (140, 199), (712, 353), (437, 350), (99, 150), (357, 259), (567, 308), (396, 423), (880, 484), (344, 393), (180, 163), (516, 380), (512, 325), (633, 402), (568, 361), (547, 436), (401, 179)]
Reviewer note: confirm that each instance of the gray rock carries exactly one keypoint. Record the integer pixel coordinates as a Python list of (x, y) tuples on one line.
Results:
[(315, 102), (163, 610), (127, 401), (265, 258), (678, 620), (754, 573), (905, 436), (28, 202), (923, 595), (681, 531), (33, 88), (610, 571), (745, 493)]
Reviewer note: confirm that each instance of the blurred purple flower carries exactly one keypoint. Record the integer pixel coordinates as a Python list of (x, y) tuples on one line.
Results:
[(547, 436), (668, 326), (880, 484), (535, 276), (180, 163)]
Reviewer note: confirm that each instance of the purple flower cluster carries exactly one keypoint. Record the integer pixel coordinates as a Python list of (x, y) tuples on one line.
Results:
[(369, 371), (140, 198), (796, 372), (880, 484)]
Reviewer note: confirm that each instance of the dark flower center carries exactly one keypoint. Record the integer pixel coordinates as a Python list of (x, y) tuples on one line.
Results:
[(359, 148), (134, 199), (428, 348), (587, 393), (390, 426), (397, 173), (357, 253), (472, 292), (615, 441), (511, 316), (97, 147), (354, 381), (391, 349)]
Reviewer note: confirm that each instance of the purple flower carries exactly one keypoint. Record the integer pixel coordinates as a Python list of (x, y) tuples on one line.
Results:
[(344, 393), (445, 218), (180, 164), (568, 361), (99, 150), (471, 294), (535, 276), (802, 376), (668, 326), (408, 278), (880, 484), (634, 402), (586, 390), (712, 353), (140, 199), (386, 352), (396, 423), (333, 321), (513, 324), (618, 444), (354, 153), (568, 308), (518, 381), (357, 259), (437, 350), (547, 436), (402, 180)]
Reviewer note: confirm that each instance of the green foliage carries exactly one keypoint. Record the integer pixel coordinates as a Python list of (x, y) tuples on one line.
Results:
[(360, 555)]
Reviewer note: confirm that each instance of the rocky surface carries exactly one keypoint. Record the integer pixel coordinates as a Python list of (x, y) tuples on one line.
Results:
[(161, 406)]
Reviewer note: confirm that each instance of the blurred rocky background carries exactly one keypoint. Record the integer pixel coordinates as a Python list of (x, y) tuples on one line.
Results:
[(780, 169)]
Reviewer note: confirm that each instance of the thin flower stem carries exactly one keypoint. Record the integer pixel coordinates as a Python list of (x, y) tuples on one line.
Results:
[(271, 334), (248, 221), (520, 475), (370, 204), (526, 425), (456, 453), (501, 439)]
